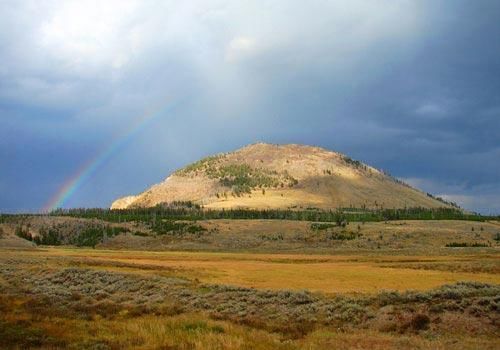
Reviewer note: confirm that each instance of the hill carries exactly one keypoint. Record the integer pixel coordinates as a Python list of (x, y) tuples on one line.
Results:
[(267, 176)]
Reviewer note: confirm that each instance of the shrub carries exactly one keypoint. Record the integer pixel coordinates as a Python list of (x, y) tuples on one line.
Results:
[(22, 335), (23, 233), (89, 237), (419, 322), (162, 227), (140, 234), (50, 237), (464, 245), (201, 326), (195, 229), (272, 237), (343, 236), (176, 228), (321, 226)]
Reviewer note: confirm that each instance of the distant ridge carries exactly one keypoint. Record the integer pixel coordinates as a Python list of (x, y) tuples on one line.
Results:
[(268, 176)]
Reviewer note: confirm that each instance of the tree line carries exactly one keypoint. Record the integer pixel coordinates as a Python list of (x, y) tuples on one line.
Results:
[(195, 212)]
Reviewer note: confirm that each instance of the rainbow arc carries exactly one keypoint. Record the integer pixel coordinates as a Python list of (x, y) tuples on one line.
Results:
[(89, 168)]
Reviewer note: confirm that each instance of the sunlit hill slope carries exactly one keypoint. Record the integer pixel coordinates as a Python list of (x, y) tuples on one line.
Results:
[(293, 176)]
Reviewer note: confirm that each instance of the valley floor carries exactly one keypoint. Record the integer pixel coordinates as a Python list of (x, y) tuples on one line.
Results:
[(329, 274), (112, 299)]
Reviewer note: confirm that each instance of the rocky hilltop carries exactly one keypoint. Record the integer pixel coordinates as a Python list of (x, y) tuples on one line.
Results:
[(281, 176)]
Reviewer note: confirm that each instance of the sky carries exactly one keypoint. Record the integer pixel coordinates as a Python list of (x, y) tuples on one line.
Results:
[(100, 99)]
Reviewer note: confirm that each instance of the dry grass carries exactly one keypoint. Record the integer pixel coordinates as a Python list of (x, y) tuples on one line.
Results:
[(324, 277), (67, 297), (76, 298), (328, 274), (284, 236), (113, 299), (393, 237), (325, 180), (366, 339), (20, 327)]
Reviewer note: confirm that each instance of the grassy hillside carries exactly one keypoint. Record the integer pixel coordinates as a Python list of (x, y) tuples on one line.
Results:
[(157, 232), (282, 176)]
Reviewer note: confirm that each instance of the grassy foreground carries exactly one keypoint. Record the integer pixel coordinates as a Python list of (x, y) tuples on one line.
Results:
[(101, 299)]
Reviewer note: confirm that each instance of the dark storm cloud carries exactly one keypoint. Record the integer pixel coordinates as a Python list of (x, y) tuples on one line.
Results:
[(412, 87)]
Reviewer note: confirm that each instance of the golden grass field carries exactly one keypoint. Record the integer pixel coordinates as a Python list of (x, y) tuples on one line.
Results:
[(323, 273), (326, 274), (268, 295)]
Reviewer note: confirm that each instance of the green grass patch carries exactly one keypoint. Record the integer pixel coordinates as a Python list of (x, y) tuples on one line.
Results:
[(466, 245)]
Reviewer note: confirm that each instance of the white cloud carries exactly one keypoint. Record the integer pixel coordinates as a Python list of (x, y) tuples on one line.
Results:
[(104, 43), (239, 48), (88, 32)]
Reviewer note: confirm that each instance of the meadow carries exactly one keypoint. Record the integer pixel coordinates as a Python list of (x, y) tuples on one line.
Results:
[(67, 297), (88, 283), (330, 274)]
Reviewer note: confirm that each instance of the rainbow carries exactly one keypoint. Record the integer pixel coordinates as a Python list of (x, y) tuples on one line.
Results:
[(72, 184)]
